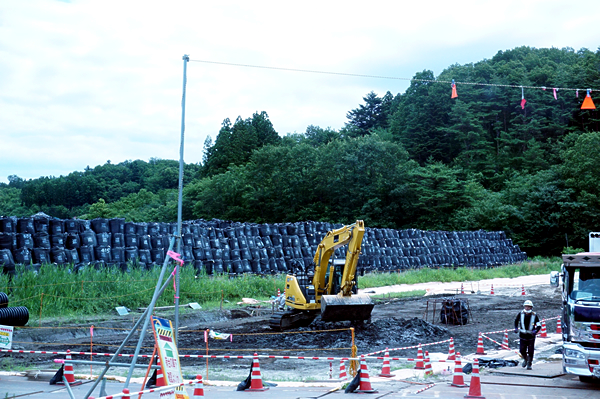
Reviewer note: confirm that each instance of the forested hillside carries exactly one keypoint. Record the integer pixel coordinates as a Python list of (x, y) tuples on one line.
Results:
[(418, 159)]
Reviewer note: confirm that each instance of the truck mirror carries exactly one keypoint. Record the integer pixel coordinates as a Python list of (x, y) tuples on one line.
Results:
[(554, 279)]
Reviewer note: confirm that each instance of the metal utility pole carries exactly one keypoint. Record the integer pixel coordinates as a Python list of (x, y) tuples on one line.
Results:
[(186, 59)]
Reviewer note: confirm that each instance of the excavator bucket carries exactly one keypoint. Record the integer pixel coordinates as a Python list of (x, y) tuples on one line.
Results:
[(340, 308)]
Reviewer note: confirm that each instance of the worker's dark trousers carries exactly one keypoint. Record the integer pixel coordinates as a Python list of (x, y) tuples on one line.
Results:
[(526, 346)]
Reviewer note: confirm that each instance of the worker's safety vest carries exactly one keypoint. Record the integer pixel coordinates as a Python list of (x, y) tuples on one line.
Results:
[(532, 323)]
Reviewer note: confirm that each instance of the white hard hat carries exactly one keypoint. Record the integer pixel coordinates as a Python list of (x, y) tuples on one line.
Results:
[(528, 303)]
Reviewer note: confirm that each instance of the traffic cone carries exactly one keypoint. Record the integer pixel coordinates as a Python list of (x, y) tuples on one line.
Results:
[(522, 290), (505, 340), (68, 371), (365, 382), (492, 292), (558, 326), (428, 369), (475, 388), (458, 379), (462, 289), (419, 365), (480, 350), (256, 381), (199, 388), (543, 333), (278, 293), (385, 370), (126, 394), (160, 378), (343, 375), (451, 354)]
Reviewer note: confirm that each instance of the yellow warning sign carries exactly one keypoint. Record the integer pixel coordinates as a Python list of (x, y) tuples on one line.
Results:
[(169, 358)]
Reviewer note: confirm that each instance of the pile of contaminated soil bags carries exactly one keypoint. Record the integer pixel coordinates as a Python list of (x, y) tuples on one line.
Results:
[(219, 246)]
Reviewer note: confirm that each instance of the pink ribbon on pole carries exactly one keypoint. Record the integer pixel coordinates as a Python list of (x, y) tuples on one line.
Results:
[(554, 90), (176, 257)]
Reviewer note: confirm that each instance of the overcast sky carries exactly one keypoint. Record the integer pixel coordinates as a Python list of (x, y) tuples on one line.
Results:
[(85, 82)]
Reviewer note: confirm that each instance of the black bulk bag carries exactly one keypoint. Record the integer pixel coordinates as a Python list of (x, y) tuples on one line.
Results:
[(22, 256), (41, 255), (7, 241), (7, 225), (57, 255), (41, 240), (6, 258), (57, 226), (100, 225), (25, 225)]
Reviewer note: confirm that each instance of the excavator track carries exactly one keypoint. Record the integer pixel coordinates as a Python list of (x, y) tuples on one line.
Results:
[(281, 321)]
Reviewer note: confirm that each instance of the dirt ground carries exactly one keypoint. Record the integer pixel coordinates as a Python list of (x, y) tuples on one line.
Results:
[(394, 324)]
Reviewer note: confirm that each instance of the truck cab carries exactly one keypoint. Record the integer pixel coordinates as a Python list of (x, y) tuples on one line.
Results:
[(581, 314)]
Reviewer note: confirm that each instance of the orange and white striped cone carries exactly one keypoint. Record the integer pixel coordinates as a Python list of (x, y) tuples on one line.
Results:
[(475, 386), (543, 333), (558, 326), (160, 378), (451, 354), (69, 374), (505, 341), (458, 379), (256, 380), (420, 365), (343, 375), (385, 370), (462, 289), (126, 394), (480, 350), (199, 388), (278, 293), (365, 383), (428, 369), (523, 290), (492, 291)]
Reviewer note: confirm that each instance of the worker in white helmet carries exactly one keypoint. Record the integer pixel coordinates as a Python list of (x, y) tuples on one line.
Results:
[(527, 324)]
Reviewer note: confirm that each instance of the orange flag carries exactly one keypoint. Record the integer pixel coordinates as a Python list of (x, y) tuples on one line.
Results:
[(588, 103)]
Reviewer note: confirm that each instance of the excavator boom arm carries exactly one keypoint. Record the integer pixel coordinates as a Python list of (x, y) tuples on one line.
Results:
[(351, 235)]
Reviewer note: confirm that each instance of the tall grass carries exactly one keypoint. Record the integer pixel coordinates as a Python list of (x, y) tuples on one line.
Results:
[(56, 292)]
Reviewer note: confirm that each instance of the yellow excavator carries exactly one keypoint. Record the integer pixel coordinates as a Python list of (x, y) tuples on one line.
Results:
[(331, 292)]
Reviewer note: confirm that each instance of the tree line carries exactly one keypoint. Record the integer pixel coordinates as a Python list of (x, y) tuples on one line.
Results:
[(417, 159)]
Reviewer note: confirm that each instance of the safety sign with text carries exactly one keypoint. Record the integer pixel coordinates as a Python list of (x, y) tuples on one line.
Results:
[(6, 333), (169, 358)]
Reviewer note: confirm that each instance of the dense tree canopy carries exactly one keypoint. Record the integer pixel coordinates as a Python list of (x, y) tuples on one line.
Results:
[(417, 159)]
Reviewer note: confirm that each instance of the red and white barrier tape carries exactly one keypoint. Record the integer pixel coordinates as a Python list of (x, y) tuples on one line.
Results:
[(424, 389), (499, 344), (407, 347)]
